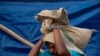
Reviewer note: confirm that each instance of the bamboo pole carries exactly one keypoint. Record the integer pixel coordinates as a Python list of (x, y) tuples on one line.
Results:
[(16, 36)]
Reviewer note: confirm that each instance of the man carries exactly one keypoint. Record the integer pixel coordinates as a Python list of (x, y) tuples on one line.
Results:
[(60, 38), (54, 49)]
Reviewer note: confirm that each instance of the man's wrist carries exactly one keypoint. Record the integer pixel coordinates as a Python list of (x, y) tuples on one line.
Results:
[(54, 27)]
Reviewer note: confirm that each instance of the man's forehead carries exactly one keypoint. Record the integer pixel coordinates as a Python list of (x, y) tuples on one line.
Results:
[(49, 43)]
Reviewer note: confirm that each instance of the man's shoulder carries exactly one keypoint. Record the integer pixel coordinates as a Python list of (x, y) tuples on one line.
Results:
[(74, 53), (45, 53)]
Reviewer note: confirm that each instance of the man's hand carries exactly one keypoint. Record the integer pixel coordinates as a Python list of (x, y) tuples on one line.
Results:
[(36, 49)]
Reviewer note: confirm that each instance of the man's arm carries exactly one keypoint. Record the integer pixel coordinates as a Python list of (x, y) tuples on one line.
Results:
[(59, 43), (35, 50)]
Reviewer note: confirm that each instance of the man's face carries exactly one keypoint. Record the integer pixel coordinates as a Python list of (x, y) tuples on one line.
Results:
[(51, 48)]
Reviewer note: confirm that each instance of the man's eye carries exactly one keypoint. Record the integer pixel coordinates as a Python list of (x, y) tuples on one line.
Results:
[(53, 46)]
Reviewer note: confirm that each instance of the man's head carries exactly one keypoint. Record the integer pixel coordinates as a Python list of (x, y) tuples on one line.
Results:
[(51, 47), (49, 41)]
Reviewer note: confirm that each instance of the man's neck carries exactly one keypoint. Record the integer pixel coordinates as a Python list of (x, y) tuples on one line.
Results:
[(54, 55)]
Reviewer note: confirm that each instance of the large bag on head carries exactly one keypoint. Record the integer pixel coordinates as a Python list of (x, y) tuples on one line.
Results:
[(74, 38)]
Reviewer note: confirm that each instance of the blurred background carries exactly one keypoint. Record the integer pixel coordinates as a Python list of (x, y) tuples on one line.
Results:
[(19, 16)]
